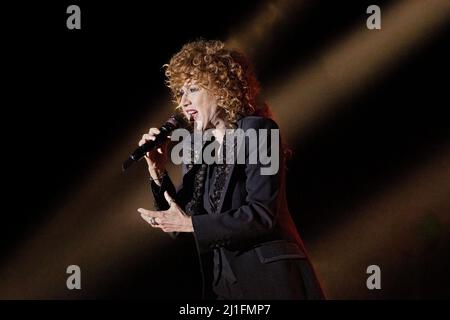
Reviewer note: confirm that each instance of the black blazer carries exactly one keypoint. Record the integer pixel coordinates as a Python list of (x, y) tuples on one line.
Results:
[(252, 229)]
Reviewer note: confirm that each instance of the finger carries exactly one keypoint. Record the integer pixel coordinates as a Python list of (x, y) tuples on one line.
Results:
[(150, 222), (153, 131), (148, 213), (166, 228), (159, 150), (148, 137), (147, 219), (172, 229), (169, 199), (142, 210), (143, 141)]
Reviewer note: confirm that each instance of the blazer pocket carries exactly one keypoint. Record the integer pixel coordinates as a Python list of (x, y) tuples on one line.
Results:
[(278, 250)]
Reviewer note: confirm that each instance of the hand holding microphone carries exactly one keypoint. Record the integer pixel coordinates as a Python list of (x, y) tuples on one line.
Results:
[(153, 147), (157, 157)]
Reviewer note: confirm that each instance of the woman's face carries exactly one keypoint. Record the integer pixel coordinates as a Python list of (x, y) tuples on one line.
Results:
[(199, 105)]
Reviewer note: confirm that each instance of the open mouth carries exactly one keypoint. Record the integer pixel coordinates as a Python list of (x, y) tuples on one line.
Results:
[(192, 114)]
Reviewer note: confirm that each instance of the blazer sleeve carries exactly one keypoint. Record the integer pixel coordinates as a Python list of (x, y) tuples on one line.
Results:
[(160, 202), (180, 194), (256, 218)]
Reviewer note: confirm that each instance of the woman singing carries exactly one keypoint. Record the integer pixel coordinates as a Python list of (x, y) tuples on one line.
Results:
[(247, 242)]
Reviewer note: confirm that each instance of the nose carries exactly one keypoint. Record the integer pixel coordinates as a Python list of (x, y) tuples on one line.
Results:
[(185, 100)]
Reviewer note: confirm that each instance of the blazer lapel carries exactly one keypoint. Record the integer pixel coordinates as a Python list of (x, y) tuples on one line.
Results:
[(225, 188), (230, 173)]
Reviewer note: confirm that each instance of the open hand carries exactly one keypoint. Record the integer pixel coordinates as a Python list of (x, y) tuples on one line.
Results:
[(170, 220)]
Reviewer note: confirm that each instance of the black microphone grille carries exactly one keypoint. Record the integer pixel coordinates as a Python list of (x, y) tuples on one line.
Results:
[(177, 120)]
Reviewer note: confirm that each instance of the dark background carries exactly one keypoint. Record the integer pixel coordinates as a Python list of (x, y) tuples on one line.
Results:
[(73, 94)]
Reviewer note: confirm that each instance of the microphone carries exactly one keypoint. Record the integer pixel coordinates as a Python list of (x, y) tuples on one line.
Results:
[(174, 122)]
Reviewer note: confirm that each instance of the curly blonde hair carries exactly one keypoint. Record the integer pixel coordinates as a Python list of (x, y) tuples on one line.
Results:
[(227, 73)]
